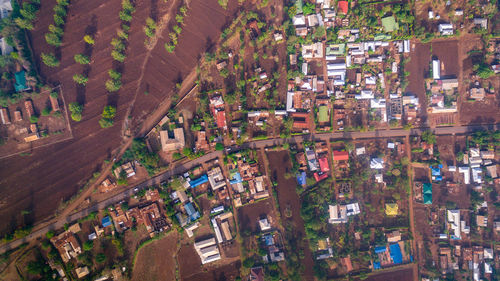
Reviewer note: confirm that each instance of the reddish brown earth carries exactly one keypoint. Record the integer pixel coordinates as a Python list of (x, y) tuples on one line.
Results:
[(249, 215), (447, 53), (288, 198), (223, 273), (56, 172), (152, 261), (419, 67), (404, 274)]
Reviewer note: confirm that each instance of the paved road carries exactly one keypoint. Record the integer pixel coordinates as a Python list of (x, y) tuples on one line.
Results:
[(254, 145)]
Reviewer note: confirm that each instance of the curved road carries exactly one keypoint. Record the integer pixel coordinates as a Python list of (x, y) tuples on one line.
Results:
[(59, 223)]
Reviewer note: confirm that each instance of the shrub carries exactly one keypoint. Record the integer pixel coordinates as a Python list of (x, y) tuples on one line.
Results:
[(219, 146), (60, 10), (33, 119), (118, 56), (125, 16), (24, 23), (113, 85), (50, 60), (177, 29), (115, 75), (76, 111), (109, 112), (53, 39), (80, 79), (46, 111), (88, 39), (179, 18), (100, 258), (58, 20), (88, 245), (81, 59), (56, 30), (105, 123), (118, 44), (169, 47), (122, 34)]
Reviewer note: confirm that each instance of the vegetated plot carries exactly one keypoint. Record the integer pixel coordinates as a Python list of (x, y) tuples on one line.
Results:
[(202, 26), (156, 261), (418, 67), (62, 168), (289, 201), (45, 124)]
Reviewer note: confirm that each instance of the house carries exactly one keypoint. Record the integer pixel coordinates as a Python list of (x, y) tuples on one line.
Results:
[(301, 120), (4, 115), (256, 274), (28, 104), (216, 178), (445, 29), (221, 119), (477, 93), (343, 7), (312, 51), (394, 236), (340, 155), (67, 245), (264, 224), (207, 250), (82, 271), (128, 168), (377, 163), (454, 223), (106, 186), (482, 22), (436, 69), (20, 83), (323, 164), (173, 140), (391, 209), (199, 181), (54, 102), (427, 193), (339, 213), (5, 8), (191, 211), (301, 179)]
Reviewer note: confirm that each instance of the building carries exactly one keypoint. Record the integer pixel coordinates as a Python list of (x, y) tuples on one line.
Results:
[(436, 69), (339, 213), (391, 209), (340, 155), (216, 178), (427, 193), (256, 274), (67, 245), (82, 271), (445, 29), (207, 250), (172, 140), (4, 115), (377, 163), (454, 223), (264, 224)]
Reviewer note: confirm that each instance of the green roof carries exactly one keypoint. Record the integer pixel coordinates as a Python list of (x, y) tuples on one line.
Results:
[(323, 114), (382, 36), (335, 50), (427, 190), (389, 23), (20, 84)]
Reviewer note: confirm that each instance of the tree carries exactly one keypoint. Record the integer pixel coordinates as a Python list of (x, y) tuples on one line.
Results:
[(76, 111), (88, 39), (118, 56), (50, 60), (219, 146), (81, 59), (46, 111), (80, 79), (100, 258), (429, 137), (105, 123), (483, 70), (50, 234), (248, 262), (88, 245), (308, 8), (33, 119), (109, 112), (113, 85), (115, 75)]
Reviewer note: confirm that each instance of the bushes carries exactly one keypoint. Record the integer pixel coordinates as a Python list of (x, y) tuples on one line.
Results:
[(150, 27), (56, 32), (88, 39), (50, 60), (28, 15), (81, 59), (113, 85), (118, 56), (76, 111), (179, 18), (80, 79), (108, 114)]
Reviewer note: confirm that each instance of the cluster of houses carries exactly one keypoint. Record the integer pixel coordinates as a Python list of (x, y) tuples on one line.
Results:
[(477, 259), (443, 90), (271, 240), (245, 179), (395, 252), (315, 159)]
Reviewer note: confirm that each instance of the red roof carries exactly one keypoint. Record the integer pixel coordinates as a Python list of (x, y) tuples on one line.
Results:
[(323, 164), (319, 177), (301, 120), (343, 7), (340, 155), (221, 119)]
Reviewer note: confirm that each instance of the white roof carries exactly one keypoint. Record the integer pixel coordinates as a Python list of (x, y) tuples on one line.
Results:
[(453, 218), (299, 20), (264, 224), (488, 253), (377, 103), (377, 163), (365, 94), (360, 150)]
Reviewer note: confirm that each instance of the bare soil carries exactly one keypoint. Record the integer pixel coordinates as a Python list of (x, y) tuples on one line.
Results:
[(156, 261), (249, 215), (419, 67)]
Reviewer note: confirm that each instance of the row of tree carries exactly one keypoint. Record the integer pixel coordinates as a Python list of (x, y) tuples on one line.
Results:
[(179, 18)]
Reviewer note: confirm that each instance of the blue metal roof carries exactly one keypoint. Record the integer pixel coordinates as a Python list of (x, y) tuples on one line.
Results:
[(191, 211), (236, 178), (106, 221), (301, 178), (268, 239), (380, 249), (396, 255), (201, 180), (20, 84), (376, 265)]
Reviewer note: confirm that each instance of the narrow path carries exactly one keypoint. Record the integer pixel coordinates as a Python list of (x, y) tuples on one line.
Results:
[(411, 212)]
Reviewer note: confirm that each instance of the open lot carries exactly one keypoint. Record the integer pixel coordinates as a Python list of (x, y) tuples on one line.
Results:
[(419, 68), (249, 215), (156, 261)]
